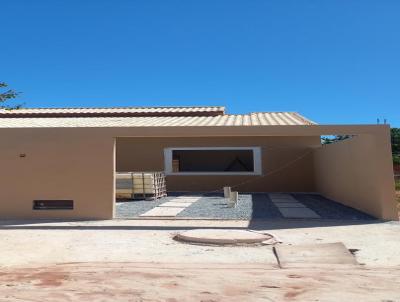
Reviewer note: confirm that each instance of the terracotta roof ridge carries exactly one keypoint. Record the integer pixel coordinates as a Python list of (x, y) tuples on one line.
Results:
[(258, 112), (114, 107), (255, 112)]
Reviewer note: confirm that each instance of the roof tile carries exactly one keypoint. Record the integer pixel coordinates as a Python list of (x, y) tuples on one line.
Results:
[(115, 111), (254, 119)]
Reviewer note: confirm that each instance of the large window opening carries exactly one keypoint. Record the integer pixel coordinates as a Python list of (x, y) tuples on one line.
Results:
[(239, 160)]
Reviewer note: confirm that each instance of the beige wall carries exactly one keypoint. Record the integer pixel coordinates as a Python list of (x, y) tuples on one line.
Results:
[(147, 154), (78, 164), (358, 172), (59, 164)]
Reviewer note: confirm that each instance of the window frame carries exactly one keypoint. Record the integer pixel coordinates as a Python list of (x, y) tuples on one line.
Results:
[(257, 161)]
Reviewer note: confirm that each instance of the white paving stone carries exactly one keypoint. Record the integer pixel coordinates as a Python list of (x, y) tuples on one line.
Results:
[(280, 196), (171, 208), (290, 205), (278, 201), (163, 212), (175, 204), (286, 198), (191, 200), (298, 213)]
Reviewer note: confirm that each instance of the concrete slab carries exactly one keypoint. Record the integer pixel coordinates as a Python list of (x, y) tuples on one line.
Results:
[(298, 213), (281, 196), (290, 205), (284, 200), (222, 237), (183, 200), (163, 212), (314, 255), (176, 204)]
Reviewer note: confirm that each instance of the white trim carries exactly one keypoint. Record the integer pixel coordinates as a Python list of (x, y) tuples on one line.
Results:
[(257, 164)]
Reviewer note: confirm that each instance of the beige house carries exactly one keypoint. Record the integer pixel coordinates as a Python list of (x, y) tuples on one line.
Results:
[(72, 155)]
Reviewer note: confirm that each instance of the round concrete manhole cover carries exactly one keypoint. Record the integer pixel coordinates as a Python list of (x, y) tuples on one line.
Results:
[(222, 237)]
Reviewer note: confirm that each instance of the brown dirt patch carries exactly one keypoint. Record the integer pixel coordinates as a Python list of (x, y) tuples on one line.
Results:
[(179, 282), (36, 278)]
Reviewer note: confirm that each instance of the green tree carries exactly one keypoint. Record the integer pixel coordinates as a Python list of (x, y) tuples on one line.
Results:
[(333, 139), (7, 95), (395, 134)]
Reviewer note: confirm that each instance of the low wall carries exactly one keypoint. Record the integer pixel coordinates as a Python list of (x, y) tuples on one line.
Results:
[(358, 172)]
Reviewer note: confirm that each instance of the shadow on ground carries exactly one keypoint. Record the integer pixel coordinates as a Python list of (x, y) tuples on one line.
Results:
[(264, 215), (171, 225)]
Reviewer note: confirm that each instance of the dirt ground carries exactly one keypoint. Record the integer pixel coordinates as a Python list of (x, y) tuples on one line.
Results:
[(177, 282), (138, 260)]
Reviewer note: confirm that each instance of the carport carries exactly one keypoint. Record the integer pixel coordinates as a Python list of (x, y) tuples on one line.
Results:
[(345, 172)]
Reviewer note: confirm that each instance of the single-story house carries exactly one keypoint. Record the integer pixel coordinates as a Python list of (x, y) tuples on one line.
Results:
[(73, 154)]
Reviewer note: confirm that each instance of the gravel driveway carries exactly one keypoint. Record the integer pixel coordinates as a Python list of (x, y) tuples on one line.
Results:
[(250, 206)]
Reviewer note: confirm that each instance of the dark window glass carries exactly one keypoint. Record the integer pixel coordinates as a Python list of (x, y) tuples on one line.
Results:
[(212, 161)]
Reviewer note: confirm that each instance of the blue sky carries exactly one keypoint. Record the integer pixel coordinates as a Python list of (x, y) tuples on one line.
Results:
[(332, 61)]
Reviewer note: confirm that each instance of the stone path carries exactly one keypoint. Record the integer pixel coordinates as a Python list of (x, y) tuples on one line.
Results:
[(172, 207), (291, 207)]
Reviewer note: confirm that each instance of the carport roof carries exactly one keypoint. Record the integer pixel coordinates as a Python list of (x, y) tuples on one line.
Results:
[(252, 119)]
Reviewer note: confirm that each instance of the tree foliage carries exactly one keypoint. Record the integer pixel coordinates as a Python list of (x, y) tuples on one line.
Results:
[(395, 134), (333, 139), (7, 95)]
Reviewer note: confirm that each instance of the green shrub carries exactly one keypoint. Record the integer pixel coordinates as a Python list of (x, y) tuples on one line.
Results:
[(395, 137)]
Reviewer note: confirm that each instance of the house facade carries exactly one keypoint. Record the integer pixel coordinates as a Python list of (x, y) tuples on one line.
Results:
[(72, 154)]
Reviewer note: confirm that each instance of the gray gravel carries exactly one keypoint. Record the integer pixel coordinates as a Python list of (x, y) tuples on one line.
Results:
[(250, 206), (134, 208), (216, 207)]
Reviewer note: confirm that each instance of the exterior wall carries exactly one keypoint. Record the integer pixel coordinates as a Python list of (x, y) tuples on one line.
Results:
[(358, 172), (59, 164), (78, 164), (147, 154)]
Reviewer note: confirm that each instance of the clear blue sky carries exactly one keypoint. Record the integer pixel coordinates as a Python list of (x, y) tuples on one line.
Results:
[(332, 61)]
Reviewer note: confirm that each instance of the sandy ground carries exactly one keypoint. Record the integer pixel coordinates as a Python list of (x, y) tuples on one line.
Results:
[(378, 243), (116, 243), (137, 260), (177, 282)]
